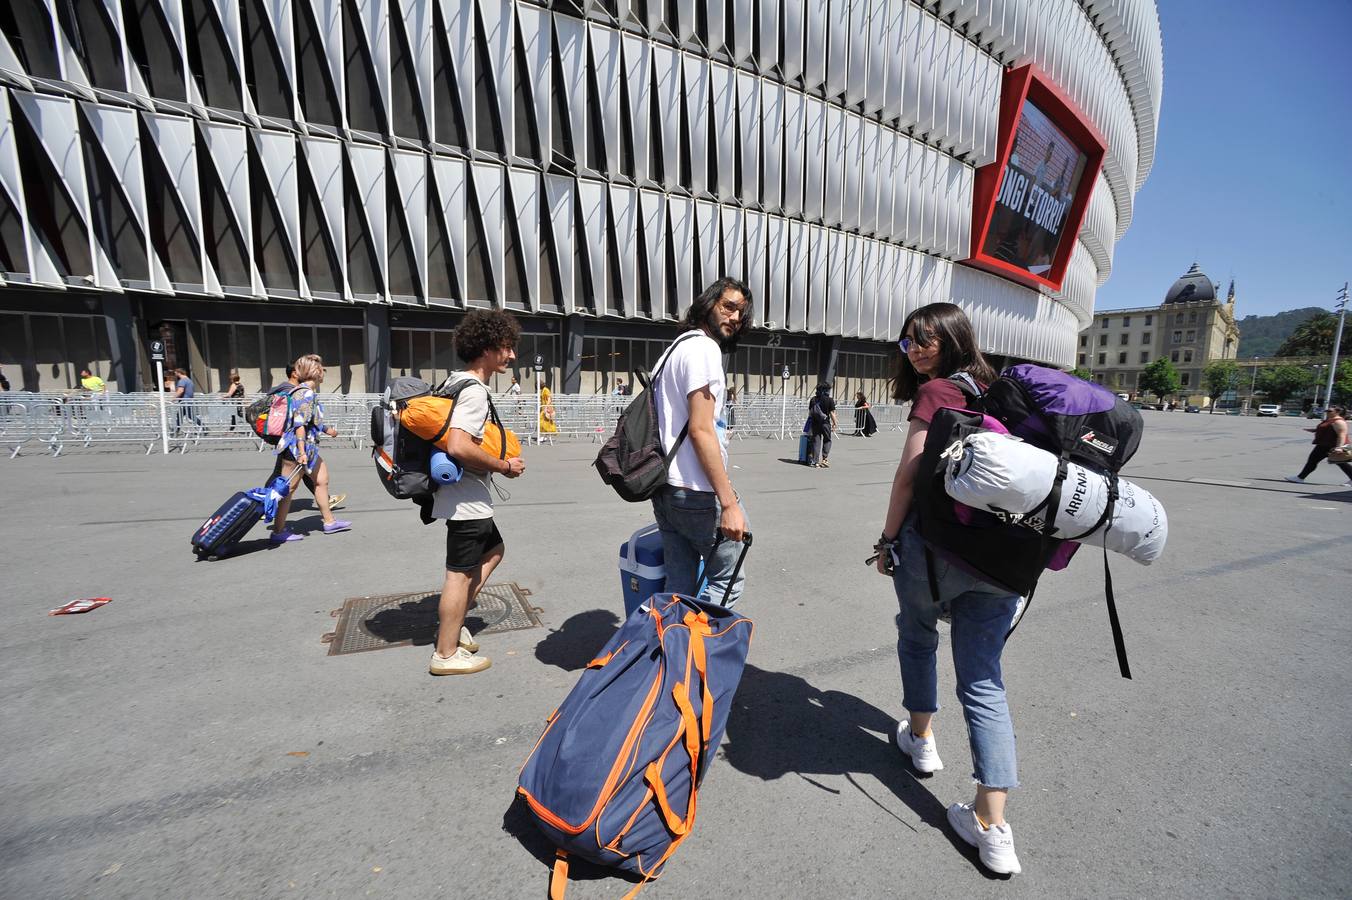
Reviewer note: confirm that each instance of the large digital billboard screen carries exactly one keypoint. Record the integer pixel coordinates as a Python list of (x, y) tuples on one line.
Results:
[(1029, 201), (1037, 190)]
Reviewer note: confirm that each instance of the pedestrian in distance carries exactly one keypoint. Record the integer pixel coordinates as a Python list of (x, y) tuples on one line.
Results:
[(864, 423), (937, 341), (821, 416), (698, 502), (1329, 435), (548, 425), (92, 383), (235, 392), (183, 389), (307, 478), (300, 447), (486, 344)]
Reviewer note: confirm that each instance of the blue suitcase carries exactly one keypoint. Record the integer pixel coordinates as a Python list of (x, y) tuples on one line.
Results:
[(227, 525)]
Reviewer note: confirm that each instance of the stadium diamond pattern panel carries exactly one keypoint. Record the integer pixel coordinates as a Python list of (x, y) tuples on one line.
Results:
[(591, 157)]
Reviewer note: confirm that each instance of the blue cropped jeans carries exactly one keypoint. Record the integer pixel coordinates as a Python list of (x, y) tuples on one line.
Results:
[(688, 521), (980, 615)]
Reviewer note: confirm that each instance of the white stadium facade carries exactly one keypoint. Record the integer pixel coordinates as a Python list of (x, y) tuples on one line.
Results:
[(249, 180)]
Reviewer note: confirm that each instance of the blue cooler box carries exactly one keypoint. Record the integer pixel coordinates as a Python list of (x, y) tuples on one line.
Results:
[(642, 572)]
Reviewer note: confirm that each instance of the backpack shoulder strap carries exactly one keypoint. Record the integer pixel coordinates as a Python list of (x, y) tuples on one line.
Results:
[(967, 384), (651, 384), (662, 363)]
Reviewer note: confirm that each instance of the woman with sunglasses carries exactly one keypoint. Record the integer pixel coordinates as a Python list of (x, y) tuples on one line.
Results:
[(936, 344)]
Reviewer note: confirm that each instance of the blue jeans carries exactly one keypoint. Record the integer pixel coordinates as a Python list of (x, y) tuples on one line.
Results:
[(981, 615), (688, 521)]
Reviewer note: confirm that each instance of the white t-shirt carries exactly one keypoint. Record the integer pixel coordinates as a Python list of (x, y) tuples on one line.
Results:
[(695, 362), (470, 497)]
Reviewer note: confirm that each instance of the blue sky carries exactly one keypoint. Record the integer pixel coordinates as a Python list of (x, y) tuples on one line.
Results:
[(1253, 165)]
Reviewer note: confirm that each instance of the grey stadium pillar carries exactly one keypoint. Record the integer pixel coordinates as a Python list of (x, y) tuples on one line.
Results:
[(121, 325), (376, 329), (828, 354), (574, 328)]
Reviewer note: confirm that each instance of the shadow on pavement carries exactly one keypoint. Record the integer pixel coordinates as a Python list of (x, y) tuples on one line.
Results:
[(780, 725), (520, 824), (243, 548), (578, 640), (415, 621)]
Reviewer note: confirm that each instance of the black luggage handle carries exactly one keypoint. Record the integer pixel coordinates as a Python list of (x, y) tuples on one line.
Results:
[(732, 579)]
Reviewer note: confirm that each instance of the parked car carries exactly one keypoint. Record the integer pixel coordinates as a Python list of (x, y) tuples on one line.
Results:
[(1192, 409), (1270, 409)]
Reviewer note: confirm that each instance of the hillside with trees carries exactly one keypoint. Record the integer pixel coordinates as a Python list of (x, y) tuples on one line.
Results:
[(1263, 335)]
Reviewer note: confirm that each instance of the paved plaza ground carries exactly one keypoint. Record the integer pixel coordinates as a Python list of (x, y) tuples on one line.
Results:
[(194, 739)]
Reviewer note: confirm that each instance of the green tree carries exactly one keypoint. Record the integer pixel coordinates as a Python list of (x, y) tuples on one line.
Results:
[(1283, 381), (1342, 383), (1083, 374), (1159, 378), (1220, 377), (1313, 337)]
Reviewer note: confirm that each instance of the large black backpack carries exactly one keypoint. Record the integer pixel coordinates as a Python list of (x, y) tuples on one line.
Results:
[(633, 461), (1077, 421), (403, 459)]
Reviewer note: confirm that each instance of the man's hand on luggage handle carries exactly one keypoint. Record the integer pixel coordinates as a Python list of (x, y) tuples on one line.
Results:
[(732, 523)]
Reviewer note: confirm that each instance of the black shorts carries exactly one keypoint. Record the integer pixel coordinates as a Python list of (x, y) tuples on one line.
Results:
[(468, 541)]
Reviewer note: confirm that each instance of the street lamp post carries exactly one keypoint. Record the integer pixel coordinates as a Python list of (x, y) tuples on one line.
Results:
[(1337, 343), (1253, 382)]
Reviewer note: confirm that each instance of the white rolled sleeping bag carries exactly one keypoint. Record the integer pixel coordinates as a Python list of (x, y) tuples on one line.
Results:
[(1000, 473)]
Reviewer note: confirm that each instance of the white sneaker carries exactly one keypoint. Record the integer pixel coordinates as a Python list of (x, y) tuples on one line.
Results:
[(467, 640), (924, 753), (1295, 479), (461, 662), (995, 845)]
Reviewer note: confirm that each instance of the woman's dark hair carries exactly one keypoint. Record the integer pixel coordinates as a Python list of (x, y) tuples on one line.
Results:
[(1340, 410), (823, 388), (958, 351), (484, 330), (697, 316)]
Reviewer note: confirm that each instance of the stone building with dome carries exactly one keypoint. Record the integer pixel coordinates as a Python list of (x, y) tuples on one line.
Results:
[(1192, 327)]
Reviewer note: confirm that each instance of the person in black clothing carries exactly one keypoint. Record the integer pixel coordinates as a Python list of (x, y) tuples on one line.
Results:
[(1328, 435), (822, 416)]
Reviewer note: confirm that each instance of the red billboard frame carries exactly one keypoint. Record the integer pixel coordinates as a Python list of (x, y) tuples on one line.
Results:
[(1028, 83)]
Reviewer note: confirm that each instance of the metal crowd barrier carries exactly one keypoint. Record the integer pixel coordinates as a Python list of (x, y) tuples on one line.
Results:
[(62, 422)]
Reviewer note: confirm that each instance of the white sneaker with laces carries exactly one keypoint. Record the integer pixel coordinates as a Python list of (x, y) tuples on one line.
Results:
[(994, 843), (461, 662), (924, 753)]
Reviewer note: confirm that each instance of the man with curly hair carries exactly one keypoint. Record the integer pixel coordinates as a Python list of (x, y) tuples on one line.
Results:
[(486, 343)]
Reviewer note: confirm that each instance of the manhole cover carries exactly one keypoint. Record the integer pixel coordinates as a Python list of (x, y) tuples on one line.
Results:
[(398, 620)]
